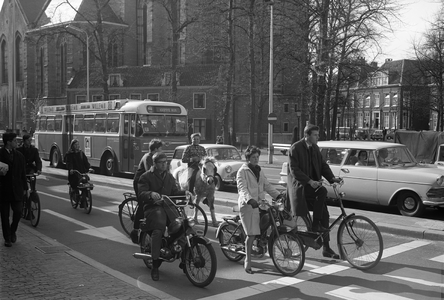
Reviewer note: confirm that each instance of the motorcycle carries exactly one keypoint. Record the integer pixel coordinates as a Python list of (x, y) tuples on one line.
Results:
[(181, 241), (278, 236)]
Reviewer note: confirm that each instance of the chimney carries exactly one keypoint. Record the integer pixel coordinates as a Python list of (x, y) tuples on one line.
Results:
[(374, 64), (388, 59)]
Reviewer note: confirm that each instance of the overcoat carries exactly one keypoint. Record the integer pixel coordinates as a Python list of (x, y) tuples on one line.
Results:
[(13, 184), (32, 158), (152, 181), (297, 174)]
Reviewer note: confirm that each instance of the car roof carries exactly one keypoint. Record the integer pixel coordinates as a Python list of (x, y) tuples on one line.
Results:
[(357, 144), (208, 146)]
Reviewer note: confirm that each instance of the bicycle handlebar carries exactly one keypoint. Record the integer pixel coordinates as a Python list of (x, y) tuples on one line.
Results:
[(81, 174), (33, 175)]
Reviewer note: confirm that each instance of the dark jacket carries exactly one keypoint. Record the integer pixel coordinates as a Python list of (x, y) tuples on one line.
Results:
[(298, 170), (32, 158), (144, 165), (13, 184), (77, 161)]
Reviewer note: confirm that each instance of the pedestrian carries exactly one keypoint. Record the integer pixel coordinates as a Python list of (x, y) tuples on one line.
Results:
[(384, 133), (13, 187), (31, 131), (306, 168), (145, 164), (295, 136), (252, 185)]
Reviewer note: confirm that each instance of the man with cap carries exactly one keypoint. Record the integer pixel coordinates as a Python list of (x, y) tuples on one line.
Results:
[(192, 155)]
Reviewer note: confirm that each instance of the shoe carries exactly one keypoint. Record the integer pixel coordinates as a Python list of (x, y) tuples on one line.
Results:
[(13, 237), (155, 274), (247, 268), (319, 228), (328, 252), (8, 244), (135, 236)]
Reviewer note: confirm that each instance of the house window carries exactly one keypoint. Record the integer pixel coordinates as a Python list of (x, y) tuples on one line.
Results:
[(286, 108), (114, 80), (114, 96), (395, 99), (4, 62), (199, 100), (199, 125), (367, 101), (286, 126), (97, 97), (387, 100), (296, 108), (135, 96), (153, 97), (377, 100), (63, 74), (80, 98), (113, 58)]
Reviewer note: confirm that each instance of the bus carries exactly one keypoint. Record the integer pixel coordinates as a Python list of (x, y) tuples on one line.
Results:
[(113, 134)]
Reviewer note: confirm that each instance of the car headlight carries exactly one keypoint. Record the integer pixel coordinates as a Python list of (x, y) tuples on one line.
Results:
[(228, 169), (440, 180)]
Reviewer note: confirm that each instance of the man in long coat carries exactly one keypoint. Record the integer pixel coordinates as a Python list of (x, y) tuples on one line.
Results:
[(13, 187), (306, 167)]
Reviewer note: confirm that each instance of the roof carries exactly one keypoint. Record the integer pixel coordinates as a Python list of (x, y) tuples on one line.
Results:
[(145, 76), (32, 8), (405, 71), (357, 144)]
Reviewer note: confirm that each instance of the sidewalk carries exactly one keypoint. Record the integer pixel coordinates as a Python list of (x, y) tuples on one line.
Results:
[(36, 267)]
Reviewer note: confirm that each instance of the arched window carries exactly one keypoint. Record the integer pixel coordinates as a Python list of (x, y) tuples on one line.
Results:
[(18, 59), (63, 68), (113, 58), (4, 62), (42, 71)]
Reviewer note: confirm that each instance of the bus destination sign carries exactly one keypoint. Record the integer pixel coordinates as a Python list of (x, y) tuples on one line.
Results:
[(163, 109)]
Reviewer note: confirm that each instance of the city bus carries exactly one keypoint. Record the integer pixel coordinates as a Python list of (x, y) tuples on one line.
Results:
[(113, 134)]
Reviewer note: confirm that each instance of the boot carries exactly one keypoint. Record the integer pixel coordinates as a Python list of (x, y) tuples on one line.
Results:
[(155, 270)]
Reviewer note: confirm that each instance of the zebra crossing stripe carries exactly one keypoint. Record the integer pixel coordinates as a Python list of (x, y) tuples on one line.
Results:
[(438, 259)]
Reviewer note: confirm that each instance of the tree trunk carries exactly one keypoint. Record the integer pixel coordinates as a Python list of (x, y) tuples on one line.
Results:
[(229, 76), (174, 48), (253, 107), (102, 51)]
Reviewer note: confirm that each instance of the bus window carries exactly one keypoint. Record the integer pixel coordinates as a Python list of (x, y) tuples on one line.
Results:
[(50, 123), (43, 124), (58, 123), (78, 123), (113, 123), (126, 124), (100, 125), (89, 123)]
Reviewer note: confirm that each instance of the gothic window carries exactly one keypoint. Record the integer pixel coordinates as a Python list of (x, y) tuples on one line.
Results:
[(18, 59), (4, 62), (113, 58), (63, 68)]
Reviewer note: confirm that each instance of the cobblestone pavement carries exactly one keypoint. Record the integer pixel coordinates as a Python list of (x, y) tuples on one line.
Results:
[(36, 267)]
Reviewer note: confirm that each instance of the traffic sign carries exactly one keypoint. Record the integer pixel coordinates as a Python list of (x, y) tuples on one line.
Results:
[(272, 118)]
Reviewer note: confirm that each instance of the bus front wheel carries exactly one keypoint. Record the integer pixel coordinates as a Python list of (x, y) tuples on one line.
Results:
[(107, 165), (56, 158)]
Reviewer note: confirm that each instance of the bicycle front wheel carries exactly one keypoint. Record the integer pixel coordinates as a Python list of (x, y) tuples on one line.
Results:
[(34, 208), (287, 253), (199, 216), (360, 242), (87, 201), (127, 214), (200, 263)]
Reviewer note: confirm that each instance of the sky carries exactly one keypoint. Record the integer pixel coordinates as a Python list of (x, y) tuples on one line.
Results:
[(415, 17)]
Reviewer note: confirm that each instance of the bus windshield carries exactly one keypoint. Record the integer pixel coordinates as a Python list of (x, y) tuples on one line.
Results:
[(162, 124)]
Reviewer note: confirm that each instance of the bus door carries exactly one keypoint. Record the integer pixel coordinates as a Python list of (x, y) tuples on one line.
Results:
[(128, 142), (67, 132)]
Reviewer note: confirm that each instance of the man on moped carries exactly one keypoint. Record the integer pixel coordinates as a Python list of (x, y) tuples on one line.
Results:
[(154, 183), (306, 168)]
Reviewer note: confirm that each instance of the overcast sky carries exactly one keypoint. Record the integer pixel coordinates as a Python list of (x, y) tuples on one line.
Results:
[(415, 18)]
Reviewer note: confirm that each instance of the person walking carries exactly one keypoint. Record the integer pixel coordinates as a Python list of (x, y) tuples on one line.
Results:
[(146, 162), (306, 168), (13, 187), (252, 185)]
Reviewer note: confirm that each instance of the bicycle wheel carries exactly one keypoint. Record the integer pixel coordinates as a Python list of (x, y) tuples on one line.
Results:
[(145, 247), (360, 242), (227, 239), (288, 254), (34, 208), (303, 225), (87, 201), (25, 208), (73, 197), (200, 263), (127, 214), (200, 217)]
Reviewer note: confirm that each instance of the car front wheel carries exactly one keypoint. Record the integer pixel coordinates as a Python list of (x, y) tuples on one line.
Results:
[(219, 183), (409, 204)]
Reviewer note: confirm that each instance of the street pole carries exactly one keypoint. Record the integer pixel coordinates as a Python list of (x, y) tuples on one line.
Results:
[(87, 58), (270, 89)]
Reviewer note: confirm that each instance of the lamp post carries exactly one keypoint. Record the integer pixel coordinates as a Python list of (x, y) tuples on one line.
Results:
[(87, 58), (270, 89)]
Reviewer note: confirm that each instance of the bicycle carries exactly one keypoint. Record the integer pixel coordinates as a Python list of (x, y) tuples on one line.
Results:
[(84, 198), (359, 239), (31, 206), (129, 206)]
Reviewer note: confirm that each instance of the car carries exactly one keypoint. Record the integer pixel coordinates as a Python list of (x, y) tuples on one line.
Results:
[(228, 162), (390, 135), (361, 134), (377, 135), (397, 180)]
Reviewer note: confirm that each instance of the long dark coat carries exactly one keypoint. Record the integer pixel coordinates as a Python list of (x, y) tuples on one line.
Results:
[(297, 174), (32, 158), (152, 181), (13, 184)]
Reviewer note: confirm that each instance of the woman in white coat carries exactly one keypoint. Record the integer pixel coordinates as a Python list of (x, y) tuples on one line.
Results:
[(252, 185)]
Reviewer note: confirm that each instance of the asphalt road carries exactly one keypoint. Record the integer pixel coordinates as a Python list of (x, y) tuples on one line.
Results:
[(410, 269)]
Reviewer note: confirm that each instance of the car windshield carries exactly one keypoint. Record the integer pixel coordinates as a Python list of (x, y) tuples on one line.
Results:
[(224, 153), (395, 156)]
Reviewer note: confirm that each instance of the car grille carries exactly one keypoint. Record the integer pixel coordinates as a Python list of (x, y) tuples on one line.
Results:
[(436, 193)]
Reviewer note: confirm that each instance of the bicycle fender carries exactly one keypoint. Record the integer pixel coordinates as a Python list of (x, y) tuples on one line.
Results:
[(201, 238), (220, 226)]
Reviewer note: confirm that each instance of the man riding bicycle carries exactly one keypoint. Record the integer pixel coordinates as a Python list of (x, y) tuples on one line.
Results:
[(154, 183), (76, 160), (32, 157)]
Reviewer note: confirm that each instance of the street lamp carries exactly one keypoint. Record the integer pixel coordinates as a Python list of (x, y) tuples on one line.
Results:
[(270, 88), (87, 57)]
